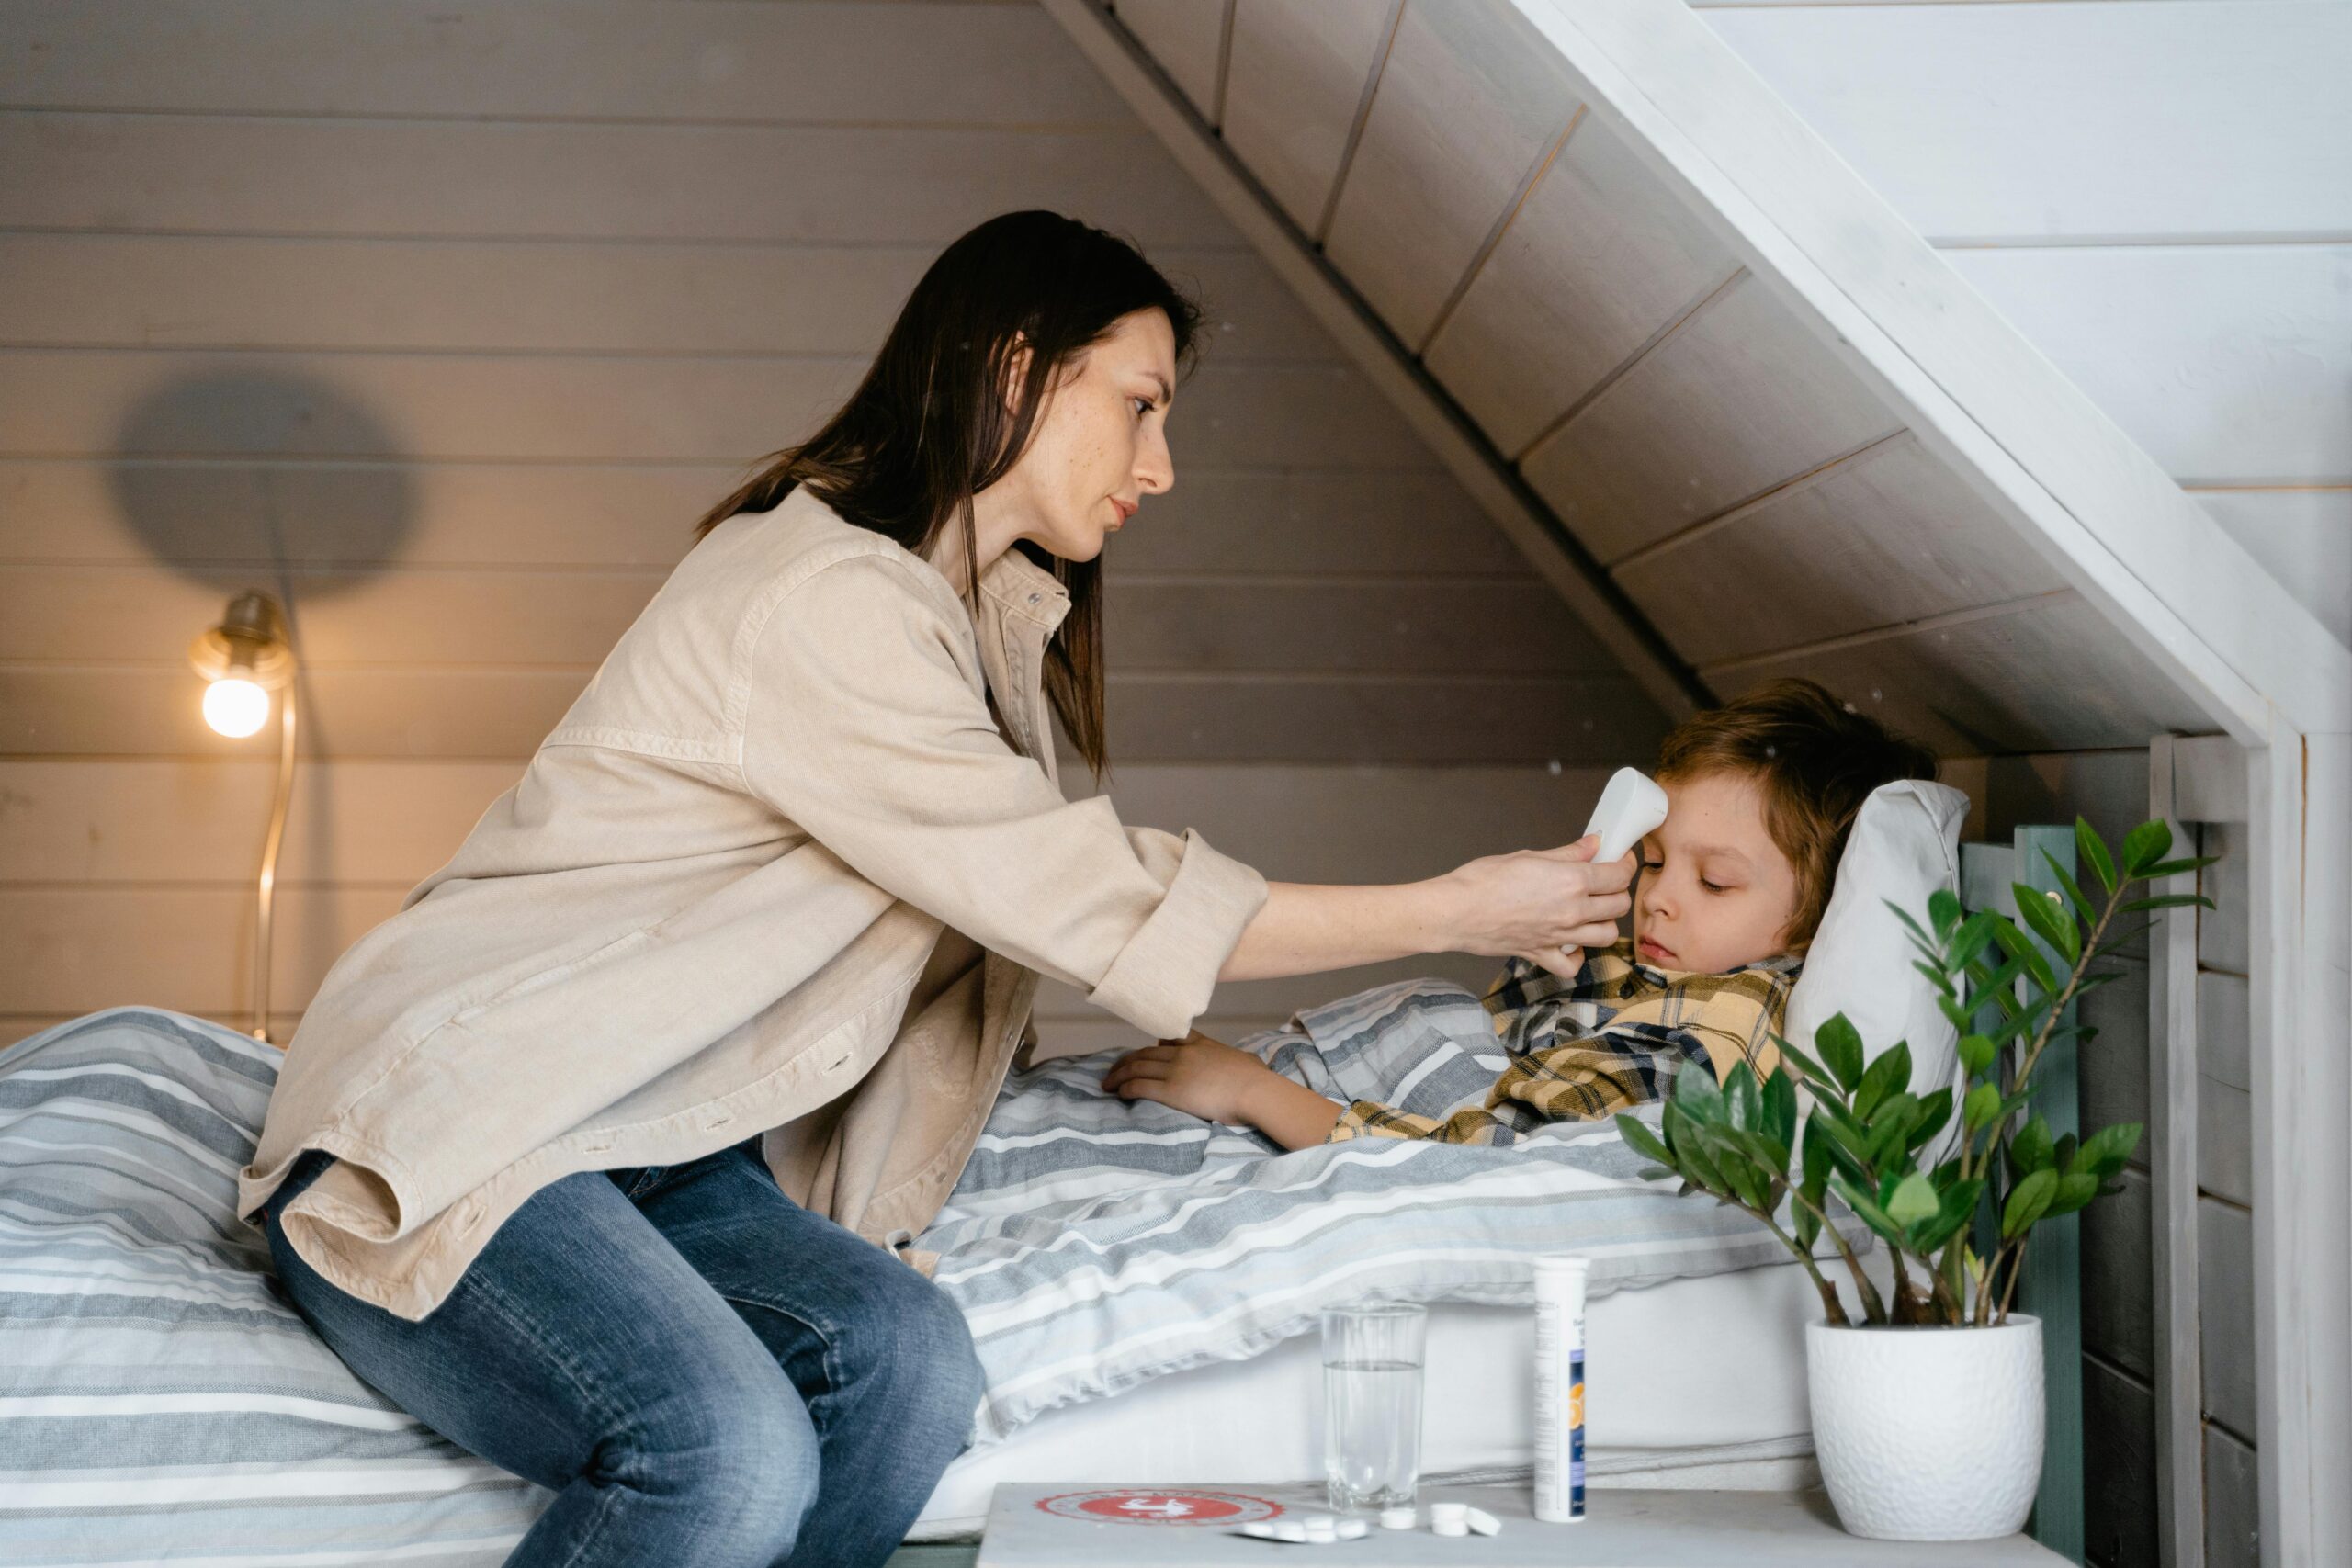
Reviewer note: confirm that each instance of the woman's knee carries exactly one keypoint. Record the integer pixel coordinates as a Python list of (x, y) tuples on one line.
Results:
[(913, 1348), (737, 1454)]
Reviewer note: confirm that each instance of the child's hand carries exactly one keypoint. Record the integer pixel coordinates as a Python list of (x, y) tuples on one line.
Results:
[(1196, 1074)]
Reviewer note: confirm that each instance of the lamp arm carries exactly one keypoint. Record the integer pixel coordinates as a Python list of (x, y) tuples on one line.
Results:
[(266, 885)]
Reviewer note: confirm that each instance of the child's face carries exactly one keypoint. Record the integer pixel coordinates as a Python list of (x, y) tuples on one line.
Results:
[(1715, 892)]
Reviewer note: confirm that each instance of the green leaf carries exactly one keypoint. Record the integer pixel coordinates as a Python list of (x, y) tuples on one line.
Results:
[(1983, 1104), (1743, 1100), (1935, 1110), (1840, 1046), (1943, 911), (2085, 911), (2027, 1201), (1956, 1206), (1914, 1200), (1866, 1209), (2105, 1151), (2178, 867), (2145, 846), (2031, 1150), (2074, 1191), (2048, 919), (1890, 1072), (2169, 901), (1891, 1128), (1919, 931), (2093, 849), (1696, 1096), (1818, 1159), (2020, 947), (1641, 1140), (1805, 1224), (1697, 1163), (1977, 1054), (1815, 1073), (1975, 934), (2062, 1158), (1780, 1118)]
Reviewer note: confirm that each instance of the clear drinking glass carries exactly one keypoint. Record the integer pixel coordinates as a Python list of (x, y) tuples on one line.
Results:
[(1372, 1404)]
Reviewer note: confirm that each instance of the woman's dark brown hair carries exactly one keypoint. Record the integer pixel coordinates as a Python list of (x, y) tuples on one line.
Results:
[(1817, 761), (928, 428)]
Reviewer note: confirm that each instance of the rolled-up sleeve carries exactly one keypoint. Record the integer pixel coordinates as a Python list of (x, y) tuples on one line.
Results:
[(865, 722)]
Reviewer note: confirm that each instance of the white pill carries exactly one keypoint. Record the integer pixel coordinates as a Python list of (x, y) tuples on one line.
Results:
[(1453, 1527), (1483, 1522), (1448, 1513), (1291, 1532), (1259, 1528), (1320, 1522), (1354, 1529), (1399, 1518)]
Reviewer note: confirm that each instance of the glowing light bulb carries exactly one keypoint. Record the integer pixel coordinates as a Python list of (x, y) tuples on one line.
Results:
[(235, 707)]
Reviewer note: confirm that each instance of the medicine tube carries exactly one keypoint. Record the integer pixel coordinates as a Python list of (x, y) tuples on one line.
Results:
[(1559, 1389)]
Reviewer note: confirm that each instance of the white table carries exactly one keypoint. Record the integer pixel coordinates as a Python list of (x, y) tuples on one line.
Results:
[(1096, 1526)]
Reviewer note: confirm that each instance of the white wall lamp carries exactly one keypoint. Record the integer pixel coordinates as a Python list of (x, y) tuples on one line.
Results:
[(243, 659)]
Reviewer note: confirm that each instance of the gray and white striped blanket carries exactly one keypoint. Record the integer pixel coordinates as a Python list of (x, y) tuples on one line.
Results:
[(1094, 1243)]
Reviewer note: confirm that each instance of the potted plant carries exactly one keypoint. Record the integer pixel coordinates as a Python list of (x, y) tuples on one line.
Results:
[(1927, 1414)]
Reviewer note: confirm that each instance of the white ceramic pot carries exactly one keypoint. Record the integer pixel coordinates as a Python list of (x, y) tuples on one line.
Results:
[(1929, 1434)]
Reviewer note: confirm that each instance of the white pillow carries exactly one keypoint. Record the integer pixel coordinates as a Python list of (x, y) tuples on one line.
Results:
[(1905, 844)]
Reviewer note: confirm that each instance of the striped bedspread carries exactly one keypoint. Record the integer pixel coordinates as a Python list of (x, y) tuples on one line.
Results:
[(158, 1400), (1094, 1243)]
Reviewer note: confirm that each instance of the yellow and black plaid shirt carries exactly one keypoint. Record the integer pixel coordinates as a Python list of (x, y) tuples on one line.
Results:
[(1610, 1039)]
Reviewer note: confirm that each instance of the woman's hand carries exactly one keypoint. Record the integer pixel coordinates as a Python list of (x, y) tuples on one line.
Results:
[(1546, 906), (1213, 1081)]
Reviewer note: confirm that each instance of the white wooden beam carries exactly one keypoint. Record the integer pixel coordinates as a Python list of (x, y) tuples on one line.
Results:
[(2172, 1166), (1486, 476), (2076, 489)]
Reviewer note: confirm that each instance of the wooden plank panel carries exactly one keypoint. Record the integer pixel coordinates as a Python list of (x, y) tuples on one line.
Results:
[(1332, 521), (2303, 537), (2228, 363), (2063, 122), (1185, 37), (204, 291), (2225, 1289), (118, 403), (1299, 72), (2224, 939), (1742, 399), (1977, 686), (1598, 260), (1314, 719), (102, 821), (2224, 1029), (2225, 1082), (2209, 780), (2117, 1317), (674, 184), (947, 64), (2233, 1502), (2118, 1502), (1470, 100), (96, 822), (490, 713), (1887, 537), (80, 949), (70, 615), (2115, 1065)]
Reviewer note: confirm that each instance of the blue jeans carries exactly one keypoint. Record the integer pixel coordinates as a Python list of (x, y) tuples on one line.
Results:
[(701, 1370)]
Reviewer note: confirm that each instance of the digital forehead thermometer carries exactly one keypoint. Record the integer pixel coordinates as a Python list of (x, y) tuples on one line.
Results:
[(1630, 809)]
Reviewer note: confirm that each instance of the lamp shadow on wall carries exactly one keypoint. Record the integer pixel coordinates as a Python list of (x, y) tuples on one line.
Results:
[(234, 480)]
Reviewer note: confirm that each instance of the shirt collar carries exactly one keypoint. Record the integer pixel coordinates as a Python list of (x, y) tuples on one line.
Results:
[(1024, 588)]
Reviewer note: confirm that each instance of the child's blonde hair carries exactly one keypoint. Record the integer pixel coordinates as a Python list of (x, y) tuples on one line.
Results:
[(1817, 761)]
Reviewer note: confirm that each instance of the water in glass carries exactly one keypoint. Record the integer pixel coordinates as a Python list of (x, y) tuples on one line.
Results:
[(1371, 1404)]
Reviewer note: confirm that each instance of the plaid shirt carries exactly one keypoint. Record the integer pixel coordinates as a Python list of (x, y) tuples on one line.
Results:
[(1610, 1039)]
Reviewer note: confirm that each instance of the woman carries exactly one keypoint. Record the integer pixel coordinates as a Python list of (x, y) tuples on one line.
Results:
[(602, 1156)]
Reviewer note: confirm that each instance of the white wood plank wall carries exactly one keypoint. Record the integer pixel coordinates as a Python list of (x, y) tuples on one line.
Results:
[(446, 321), (2157, 193)]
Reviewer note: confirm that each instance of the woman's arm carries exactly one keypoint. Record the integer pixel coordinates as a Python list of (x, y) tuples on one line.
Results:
[(1541, 905)]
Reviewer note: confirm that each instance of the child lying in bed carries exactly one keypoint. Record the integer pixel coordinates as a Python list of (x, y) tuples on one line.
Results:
[(1760, 795)]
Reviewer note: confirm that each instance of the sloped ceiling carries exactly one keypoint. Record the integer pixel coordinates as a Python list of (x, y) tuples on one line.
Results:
[(1722, 462)]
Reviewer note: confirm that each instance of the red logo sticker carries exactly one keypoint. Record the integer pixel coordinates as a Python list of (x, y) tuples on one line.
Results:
[(1131, 1507)]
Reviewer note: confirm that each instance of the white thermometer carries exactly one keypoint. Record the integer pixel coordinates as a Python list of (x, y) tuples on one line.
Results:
[(1630, 809)]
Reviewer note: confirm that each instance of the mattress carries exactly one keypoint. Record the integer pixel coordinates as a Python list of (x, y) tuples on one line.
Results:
[(1701, 1379)]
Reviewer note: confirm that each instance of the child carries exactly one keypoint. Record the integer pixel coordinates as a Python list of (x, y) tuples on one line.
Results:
[(1760, 795)]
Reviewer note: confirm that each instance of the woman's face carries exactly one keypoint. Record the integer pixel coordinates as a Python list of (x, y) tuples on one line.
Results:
[(1100, 446), (1715, 892)]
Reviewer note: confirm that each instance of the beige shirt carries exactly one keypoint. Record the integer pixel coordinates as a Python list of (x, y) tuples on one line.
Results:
[(777, 870)]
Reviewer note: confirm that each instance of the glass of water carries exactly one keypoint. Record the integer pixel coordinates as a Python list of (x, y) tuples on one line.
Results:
[(1372, 1404)]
